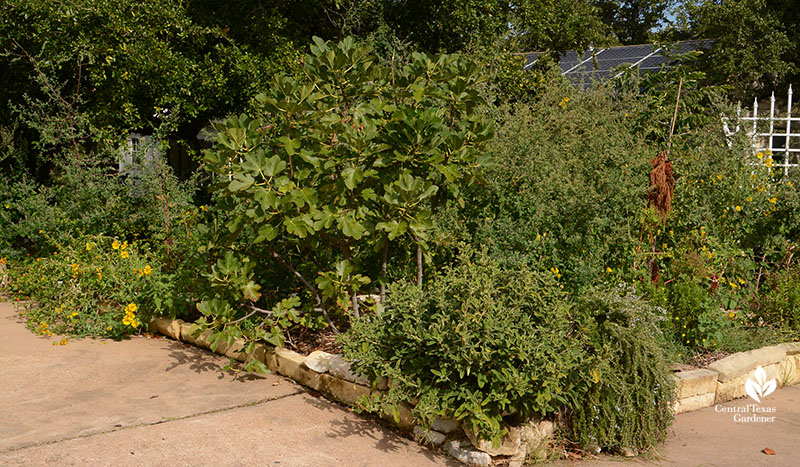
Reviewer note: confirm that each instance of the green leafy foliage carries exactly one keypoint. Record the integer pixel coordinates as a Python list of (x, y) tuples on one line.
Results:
[(756, 42), (346, 160), (479, 341), (93, 286), (565, 189), (779, 304), (630, 390)]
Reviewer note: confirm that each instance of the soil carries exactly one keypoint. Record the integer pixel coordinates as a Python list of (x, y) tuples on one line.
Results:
[(304, 341), (701, 360), (704, 359)]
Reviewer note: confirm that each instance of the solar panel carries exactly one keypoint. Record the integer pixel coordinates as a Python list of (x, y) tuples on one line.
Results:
[(600, 64)]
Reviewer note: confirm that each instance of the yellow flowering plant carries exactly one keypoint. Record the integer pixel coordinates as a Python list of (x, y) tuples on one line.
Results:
[(95, 286)]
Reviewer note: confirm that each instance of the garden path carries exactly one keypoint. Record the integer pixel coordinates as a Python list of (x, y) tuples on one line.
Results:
[(155, 401), (712, 437)]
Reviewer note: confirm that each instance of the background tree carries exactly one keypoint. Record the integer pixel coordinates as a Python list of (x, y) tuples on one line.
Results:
[(756, 42), (633, 21)]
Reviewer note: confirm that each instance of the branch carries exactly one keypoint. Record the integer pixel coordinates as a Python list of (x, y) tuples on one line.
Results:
[(310, 287)]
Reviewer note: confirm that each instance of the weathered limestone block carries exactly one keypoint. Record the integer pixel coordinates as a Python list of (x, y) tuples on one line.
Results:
[(743, 363), (519, 441), (202, 339), (429, 436), (509, 445), (695, 382), (324, 362), (270, 360), (466, 455), (796, 359), (343, 391), (290, 364), (788, 372), (734, 388), (445, 425), (696, 402), (168, 327), (233, 350), (186, 334), (318, 361), (791, 348), (258, 353), (402, 418), (535, 436)]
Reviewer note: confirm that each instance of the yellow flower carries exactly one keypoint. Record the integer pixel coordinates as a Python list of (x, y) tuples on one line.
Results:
[(115, 245), (749, 198), (741, 281), (203, 208), (131, 308), (738, 208), (124, 245), (769, 163), (88, 246), (566, 99), (719, 177), (123, 254), (773, 200), (147, 270), (109, 328), (731, 315), (760, 155), (609, 269)]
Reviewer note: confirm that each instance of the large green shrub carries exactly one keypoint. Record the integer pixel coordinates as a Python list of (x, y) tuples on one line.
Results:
[(565, 190), (337, 174), (627, 403), (480, 341)]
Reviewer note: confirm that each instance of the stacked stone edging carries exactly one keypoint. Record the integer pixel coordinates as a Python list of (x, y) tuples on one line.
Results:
[(725, 379), (330, 375)]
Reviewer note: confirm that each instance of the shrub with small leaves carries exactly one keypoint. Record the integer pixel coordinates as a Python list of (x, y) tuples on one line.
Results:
[(479, 342), (628, 394)]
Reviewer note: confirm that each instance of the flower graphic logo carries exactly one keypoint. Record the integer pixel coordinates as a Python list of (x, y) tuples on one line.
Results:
[(760, 387)]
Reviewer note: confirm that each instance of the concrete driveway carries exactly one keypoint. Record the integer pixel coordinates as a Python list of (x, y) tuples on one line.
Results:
[(159, 402)]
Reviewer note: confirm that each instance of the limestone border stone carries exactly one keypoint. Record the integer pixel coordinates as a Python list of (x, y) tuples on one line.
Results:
[(725, 379), (331, 375)]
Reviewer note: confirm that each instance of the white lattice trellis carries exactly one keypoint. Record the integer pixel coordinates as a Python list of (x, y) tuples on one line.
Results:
[(771, 133)]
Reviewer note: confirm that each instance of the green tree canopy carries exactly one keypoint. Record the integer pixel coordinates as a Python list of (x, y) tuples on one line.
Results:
[(756, 42)]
